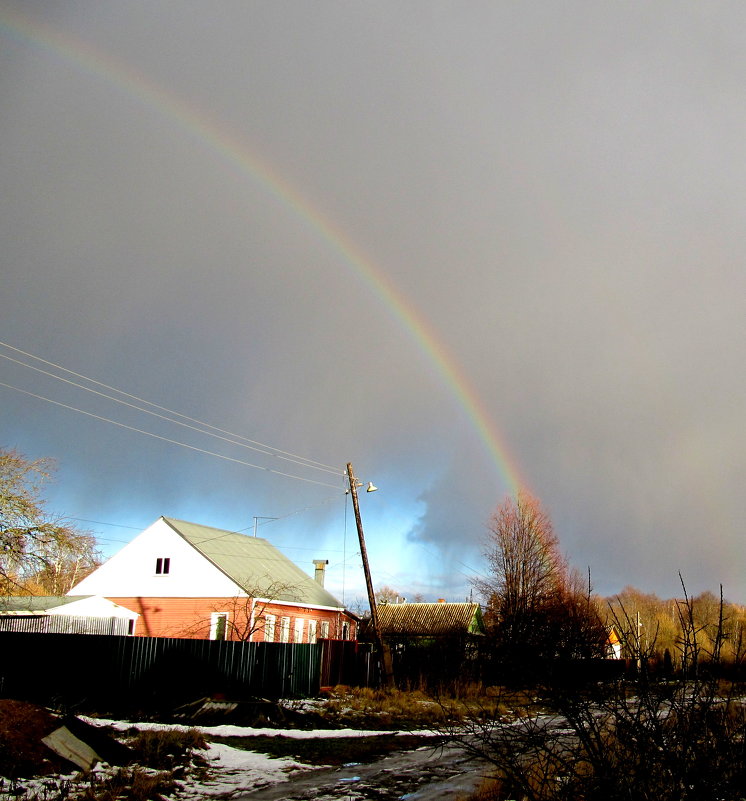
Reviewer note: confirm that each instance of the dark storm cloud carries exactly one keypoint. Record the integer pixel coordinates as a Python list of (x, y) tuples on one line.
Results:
[(557, 191)]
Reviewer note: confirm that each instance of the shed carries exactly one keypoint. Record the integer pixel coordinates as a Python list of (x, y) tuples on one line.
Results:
[(430, 620), (66, 614)]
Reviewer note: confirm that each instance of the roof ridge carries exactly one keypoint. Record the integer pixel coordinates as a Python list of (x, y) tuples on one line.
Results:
[(174, 521), (253, 565)]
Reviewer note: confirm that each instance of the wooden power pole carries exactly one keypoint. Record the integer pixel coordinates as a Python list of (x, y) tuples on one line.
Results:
[(383, 649)]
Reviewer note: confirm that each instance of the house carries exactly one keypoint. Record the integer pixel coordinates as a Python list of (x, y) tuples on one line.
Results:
[(199, 582), (613, 645), (429, 621), (432, 644), (67, 614)]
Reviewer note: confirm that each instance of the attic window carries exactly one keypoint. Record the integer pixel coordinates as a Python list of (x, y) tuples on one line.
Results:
[(162, 566)]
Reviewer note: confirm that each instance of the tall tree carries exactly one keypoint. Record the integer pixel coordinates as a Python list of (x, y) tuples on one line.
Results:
[(537, 607), (40, 553), (525, 565)]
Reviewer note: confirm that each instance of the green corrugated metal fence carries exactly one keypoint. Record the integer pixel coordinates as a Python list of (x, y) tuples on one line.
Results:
[(81, 668)]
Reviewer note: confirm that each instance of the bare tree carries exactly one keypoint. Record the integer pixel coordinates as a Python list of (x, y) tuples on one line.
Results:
[(36, 547), (523, 557), (388, 595), (678, 739), (64, 564), (242, 616), (537, 608), (524, 563)]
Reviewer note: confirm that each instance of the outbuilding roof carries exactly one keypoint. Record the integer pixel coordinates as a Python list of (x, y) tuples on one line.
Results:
[(37, 603), (418, 620), (74, 605), (254, 564)]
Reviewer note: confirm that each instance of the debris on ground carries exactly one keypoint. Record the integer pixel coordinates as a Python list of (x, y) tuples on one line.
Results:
[(37, 742)]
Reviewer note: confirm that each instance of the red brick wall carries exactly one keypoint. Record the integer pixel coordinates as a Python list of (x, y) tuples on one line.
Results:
[(190, 618)]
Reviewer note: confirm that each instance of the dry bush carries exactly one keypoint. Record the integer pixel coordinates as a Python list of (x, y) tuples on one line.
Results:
[(490, 789), (166, 749), (673, 740), (391, 708), (130, 784)]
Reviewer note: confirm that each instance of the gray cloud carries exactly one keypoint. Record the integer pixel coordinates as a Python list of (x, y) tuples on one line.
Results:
[(555, 192)]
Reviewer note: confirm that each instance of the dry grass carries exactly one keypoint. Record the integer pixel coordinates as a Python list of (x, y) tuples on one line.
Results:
[(366, 707), (166, 749), (491, 789), (131, 784)]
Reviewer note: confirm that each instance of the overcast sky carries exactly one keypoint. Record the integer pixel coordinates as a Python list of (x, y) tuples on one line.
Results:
[(464, 246)]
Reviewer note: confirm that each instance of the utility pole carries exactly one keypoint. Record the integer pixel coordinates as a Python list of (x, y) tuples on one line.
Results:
[(383, 649)]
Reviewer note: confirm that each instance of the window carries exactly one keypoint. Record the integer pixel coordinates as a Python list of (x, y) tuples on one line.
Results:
[(269, 628), (218, 626), (298, 635), (162, 566), (345, 631), (284, 629), (324, 629), (311, 631)]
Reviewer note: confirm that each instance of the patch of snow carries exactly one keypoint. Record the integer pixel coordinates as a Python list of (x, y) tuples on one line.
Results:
[(233, 771), (247, 731)]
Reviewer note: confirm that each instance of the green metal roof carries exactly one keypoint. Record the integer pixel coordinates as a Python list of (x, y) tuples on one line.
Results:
[(37, 603), (254, 564)]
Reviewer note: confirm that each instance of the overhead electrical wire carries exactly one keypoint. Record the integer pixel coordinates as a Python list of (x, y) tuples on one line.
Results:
[(261, 447), (231, 438), (167, 439)]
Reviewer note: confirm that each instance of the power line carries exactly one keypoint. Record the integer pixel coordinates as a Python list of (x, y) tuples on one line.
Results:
[(268, 450), (102, 523), (167, 439)]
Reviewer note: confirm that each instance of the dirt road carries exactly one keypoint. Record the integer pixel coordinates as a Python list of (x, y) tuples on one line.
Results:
[(427, 774)]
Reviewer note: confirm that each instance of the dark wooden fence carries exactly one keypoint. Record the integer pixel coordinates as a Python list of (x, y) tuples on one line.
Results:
[(348, 662), (115, 672)]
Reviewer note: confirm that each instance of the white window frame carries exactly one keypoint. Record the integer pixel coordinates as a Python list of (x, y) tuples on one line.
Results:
[(324, 629), (269, 627), (298, 632), (215, 618), (284, 629), (312, 631)]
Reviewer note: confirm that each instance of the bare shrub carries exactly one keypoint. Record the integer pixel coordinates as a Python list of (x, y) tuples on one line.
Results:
[(166, 749), (668, 740), (130, 784), (381, 708)]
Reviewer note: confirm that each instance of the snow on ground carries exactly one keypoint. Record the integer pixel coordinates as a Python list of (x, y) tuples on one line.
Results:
[(247, 731), (232, 771)]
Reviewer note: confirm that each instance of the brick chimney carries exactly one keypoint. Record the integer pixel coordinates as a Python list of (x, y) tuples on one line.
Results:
[(320, 565)]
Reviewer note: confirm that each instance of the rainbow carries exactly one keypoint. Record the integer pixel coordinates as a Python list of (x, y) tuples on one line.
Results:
[(233, 150)]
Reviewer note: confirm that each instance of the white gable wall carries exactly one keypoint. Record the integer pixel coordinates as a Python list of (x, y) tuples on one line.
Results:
[(132, 571)]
